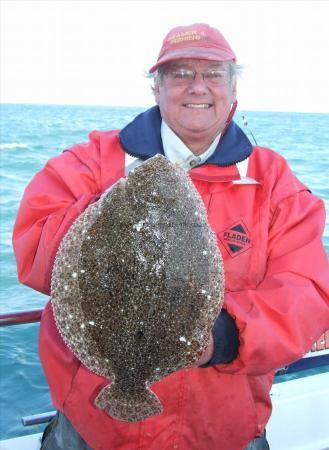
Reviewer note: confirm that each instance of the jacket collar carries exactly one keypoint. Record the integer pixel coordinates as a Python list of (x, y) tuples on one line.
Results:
[(141, 138)]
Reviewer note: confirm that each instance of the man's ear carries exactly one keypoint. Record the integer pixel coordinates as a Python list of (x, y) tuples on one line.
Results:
[(234, 91), (156, 92)]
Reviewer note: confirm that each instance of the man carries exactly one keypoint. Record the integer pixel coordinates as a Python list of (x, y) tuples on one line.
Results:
[(269, 229)]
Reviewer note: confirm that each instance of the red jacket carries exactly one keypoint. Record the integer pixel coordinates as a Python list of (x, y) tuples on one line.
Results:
[(269, 231)]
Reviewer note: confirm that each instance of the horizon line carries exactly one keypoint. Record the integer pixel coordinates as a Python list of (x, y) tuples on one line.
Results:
[(86, 105)]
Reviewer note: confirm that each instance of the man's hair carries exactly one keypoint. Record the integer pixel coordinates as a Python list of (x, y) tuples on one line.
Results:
[(157, 76)]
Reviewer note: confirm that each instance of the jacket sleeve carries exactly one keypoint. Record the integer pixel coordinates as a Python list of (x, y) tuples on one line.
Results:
[(55, 197), (280, 320)]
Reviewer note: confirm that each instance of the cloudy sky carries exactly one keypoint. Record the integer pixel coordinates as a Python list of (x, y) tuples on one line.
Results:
[(96, 52)]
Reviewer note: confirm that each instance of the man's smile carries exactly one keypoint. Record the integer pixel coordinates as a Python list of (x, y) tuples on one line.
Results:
[(197, 105)]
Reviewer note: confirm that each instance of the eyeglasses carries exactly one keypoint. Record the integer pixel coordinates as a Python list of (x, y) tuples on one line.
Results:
[(181, 76)]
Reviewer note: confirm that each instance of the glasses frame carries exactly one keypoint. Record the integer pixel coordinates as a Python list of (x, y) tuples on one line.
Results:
[(188, 76)]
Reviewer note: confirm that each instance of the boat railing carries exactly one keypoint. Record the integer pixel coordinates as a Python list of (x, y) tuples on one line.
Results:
[(318, 356), (20, 317), (37, 419)]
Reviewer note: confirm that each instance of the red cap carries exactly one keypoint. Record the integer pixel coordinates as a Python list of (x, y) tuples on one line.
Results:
[(197, 41)]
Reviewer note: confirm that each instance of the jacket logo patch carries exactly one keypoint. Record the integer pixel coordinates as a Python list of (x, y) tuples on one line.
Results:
[(236, 238)]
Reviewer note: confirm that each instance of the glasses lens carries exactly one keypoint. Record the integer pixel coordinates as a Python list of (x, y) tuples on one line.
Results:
[(181, 76), (216, 77)]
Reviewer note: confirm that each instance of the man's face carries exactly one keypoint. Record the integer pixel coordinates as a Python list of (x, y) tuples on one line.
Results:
[(195, 108)]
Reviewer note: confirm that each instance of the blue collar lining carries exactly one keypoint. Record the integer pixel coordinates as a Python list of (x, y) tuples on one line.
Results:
[(141, 138)]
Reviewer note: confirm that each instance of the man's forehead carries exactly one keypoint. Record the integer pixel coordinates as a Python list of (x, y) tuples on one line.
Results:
[(190, 63)]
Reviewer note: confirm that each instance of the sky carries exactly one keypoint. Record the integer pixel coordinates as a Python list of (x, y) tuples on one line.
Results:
[(97, 52)]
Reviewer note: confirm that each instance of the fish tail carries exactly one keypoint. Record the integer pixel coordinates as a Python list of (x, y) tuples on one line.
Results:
[(128, 408)]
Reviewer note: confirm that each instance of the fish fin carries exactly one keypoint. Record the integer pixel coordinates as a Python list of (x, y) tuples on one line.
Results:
[(128, 408)]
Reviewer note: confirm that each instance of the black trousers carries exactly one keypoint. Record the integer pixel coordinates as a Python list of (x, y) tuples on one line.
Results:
[(60, 435)]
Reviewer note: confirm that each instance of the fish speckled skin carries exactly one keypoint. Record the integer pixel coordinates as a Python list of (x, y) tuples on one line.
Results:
[(137, 284)]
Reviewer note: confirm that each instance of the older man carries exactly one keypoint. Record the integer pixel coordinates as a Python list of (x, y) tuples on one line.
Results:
[(269, 229)]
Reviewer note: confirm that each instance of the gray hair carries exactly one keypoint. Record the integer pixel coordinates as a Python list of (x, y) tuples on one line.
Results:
[(157, 76)]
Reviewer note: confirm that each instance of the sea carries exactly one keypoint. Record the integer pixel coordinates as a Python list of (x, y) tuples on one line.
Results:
[(30, 135)]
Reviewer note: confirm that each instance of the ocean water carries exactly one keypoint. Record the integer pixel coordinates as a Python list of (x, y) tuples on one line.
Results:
[(30, 135)]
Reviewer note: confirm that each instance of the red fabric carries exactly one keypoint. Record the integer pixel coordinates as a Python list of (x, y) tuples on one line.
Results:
[(277, 288)]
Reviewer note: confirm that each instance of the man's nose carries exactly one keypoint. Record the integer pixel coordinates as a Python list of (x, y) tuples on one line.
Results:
[(198, 85)]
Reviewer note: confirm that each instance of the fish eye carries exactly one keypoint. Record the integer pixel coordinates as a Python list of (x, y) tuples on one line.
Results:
[(140, 335)]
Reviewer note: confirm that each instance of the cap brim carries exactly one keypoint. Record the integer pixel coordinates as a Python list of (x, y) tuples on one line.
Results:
[(210, 54)]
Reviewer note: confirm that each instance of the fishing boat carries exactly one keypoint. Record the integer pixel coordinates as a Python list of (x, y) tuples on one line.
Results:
[(300, 397)]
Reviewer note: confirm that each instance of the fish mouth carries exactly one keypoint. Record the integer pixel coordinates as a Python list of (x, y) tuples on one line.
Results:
[(197, 105)]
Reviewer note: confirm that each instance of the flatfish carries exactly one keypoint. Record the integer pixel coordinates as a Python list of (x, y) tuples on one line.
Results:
[(137, 284)]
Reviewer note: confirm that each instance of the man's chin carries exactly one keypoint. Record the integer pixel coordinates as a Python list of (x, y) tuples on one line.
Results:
[(201, 129)]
